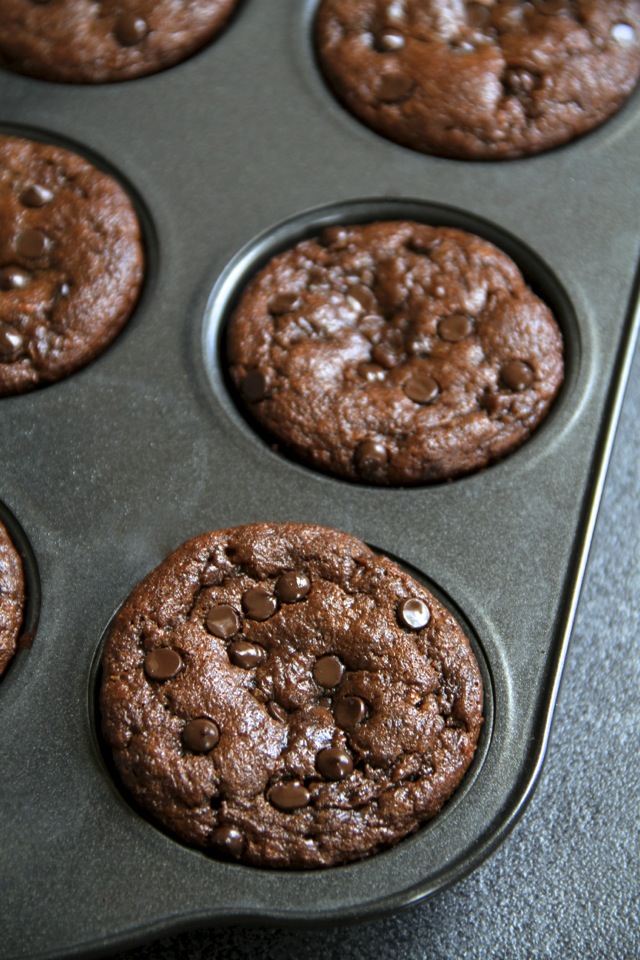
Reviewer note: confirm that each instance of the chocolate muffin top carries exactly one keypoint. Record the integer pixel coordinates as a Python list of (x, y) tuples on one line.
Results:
[(11, 598), (280, 695), (84, 41), (483, 80), (394, 353), (71, 263)]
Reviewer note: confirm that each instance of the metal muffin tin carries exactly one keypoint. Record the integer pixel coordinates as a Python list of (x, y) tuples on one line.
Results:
[(229, 157)]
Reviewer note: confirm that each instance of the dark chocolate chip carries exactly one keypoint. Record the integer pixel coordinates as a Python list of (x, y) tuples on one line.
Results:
[(244, 654), (371, 371), (283, 303), (519, 81), (200, 735), (13, 278), (254, 386), (421, 388), (276, 711), (362, 296), (336, 237), (414, 613), (36, 196), (289, 796), (292, 586), (32, 244), (130, 29), (454, 328), (392, 87), (259, 604), (370, 456), (478, 15), (222, 621), (162, 663), (623, 33), (349, 711), (334, 763), (328, 670), (228, 841), (390, 41), (516, 375), (11, 341)]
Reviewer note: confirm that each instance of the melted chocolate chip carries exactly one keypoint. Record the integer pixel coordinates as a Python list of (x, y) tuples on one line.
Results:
[(421, 388), (336, 237), (370, 456), (516, 375), (454, 328), (328, 671), (32, 244), (389, 42), (200, 735), (36, 196), (11, 341), (13, 278), (259, 604), (289, 796), (623, 33), (283, 303), (392, 87), (276, 711), (349, 711), (371, 371), (518, 81), (244, 654), (162, 664), (130, 29), (222, 621), (414, 613), (254, 386), (227, 841), (363, 296), (334, 763), (292, 586)]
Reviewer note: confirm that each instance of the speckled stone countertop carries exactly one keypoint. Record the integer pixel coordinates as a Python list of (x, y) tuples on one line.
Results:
[(565, 883)]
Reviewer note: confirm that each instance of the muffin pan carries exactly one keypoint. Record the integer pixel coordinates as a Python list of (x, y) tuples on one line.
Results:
[(230, 157)]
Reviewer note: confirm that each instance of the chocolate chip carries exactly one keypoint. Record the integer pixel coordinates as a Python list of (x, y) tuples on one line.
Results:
[(283, 303), (32, 244), (276, 711), (421, 388), (259, 604), (516, 375), (13, 278), (363, 296), (254, 386), (623, 33), (36, 196), (389, 42), (392, 87), (328, 670), (414, 613), (289, 796), (228, 841), (478, 15), (130, 29), (349, 711), (371, 371), (292, 586), (334, 763), (336, 237), (162, 664), (200, 735), (370, 456), (454, 328), (222, 621), (244, 654), (519, 81), (11, 341)]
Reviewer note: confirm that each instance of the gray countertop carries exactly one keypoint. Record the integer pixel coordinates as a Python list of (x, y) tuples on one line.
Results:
[(566, 882)]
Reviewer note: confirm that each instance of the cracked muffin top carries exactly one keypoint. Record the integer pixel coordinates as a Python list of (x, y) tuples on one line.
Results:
[(280, 695), (394, 353), (484, 80)]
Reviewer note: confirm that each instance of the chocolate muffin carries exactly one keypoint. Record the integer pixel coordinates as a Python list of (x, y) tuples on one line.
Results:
[(12, 598), (280, 695), (483, 80), (81, 41), (71, 263), (394, 353)]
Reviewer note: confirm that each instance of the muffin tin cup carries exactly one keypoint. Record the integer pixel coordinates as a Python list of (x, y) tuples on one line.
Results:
[(231, 156)]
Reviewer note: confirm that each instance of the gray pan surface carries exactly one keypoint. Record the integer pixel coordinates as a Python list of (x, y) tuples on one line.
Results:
[(230, 156)]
